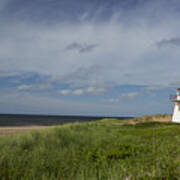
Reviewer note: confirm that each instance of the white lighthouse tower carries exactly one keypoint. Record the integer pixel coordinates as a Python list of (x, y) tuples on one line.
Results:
[(176, 113)]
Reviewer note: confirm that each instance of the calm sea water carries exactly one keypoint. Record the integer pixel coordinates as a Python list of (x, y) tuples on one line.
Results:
[(29, 120)]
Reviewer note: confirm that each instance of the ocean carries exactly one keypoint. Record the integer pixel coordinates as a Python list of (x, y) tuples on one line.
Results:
[(46, 120)]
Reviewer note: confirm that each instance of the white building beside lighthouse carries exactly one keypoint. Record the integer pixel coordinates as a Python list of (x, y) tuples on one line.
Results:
[(176, 112)]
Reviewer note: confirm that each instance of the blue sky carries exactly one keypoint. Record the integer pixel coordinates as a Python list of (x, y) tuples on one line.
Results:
[(98, 57)]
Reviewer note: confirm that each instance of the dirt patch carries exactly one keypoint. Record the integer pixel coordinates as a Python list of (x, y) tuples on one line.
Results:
[(155, 118), (18, 130)]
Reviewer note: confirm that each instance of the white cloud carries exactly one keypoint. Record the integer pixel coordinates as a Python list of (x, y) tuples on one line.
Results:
[(38, 87), (129, 95), (24, 87), (78, 92), (64, 92), (96, 90), (123, 96), (92, 90)]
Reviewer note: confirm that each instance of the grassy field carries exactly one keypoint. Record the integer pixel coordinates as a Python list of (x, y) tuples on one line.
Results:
[(110, 149)]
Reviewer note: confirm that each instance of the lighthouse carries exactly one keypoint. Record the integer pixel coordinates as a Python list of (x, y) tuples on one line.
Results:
[(176, 112)]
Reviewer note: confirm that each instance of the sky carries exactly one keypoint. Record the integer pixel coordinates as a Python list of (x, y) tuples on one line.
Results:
[(89, 57)]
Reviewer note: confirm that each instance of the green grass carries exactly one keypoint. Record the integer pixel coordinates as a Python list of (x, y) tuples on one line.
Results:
[(93, 151)]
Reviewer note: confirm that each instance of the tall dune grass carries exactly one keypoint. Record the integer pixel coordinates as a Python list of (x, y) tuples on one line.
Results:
[(90, 151)]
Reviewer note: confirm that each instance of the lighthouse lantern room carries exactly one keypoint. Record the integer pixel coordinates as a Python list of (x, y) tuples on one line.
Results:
[(176, 112)]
